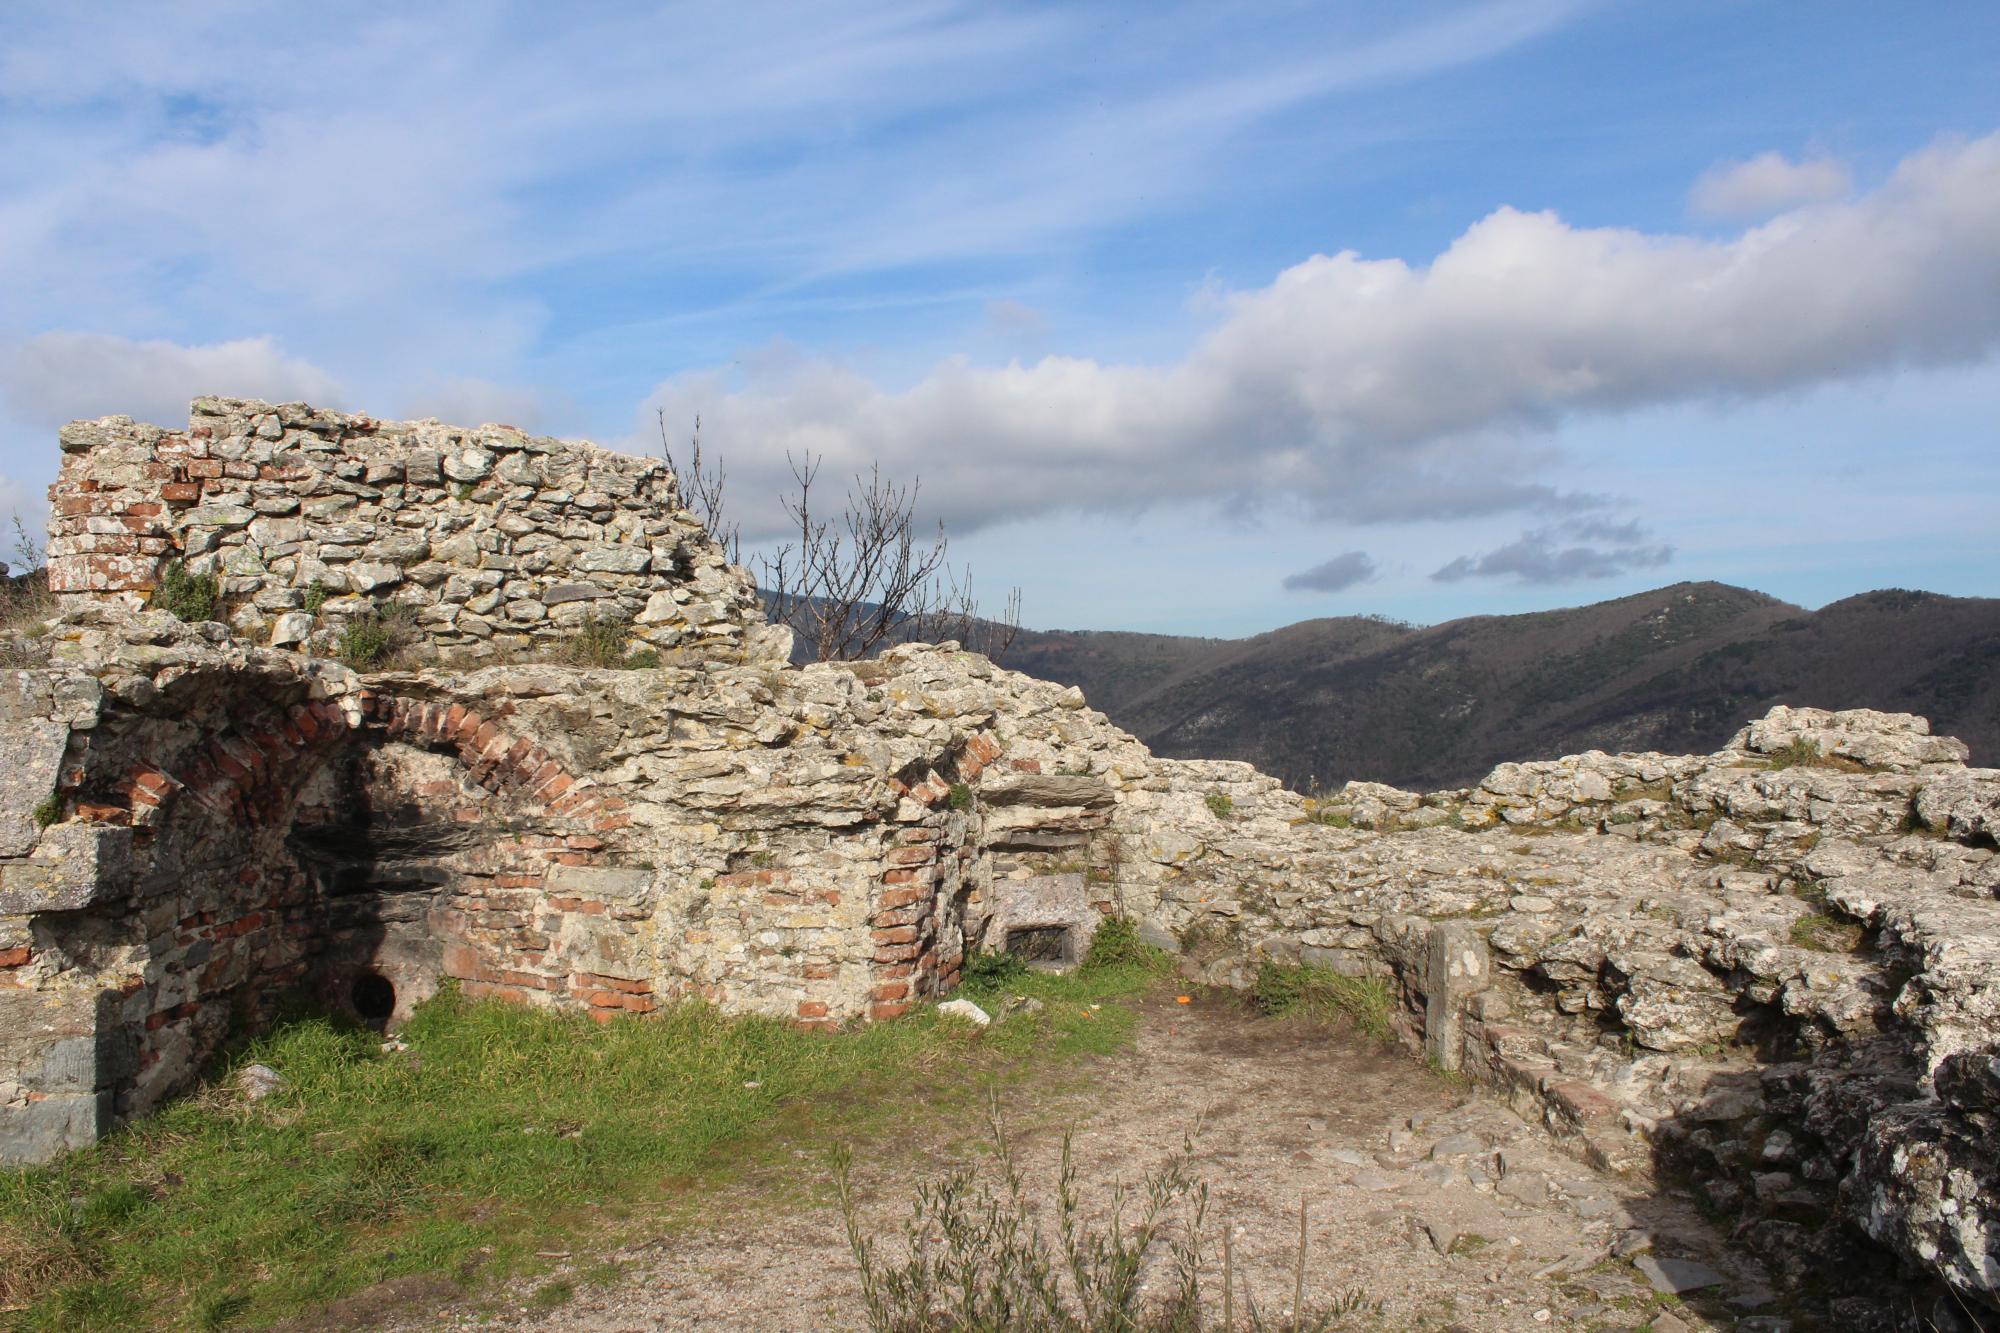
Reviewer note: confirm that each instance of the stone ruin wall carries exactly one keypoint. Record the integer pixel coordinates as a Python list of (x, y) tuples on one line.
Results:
[(1776, 980), (495, 539)]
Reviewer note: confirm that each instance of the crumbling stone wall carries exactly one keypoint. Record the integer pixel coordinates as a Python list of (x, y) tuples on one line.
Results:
[(1775, 969), (494, 538)]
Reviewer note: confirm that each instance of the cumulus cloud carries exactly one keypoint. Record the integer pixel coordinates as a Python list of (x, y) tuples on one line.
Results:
[(469, 401), (1372, 389), (1343, 571), (1766, 184), (1564, 553), (56, 377)]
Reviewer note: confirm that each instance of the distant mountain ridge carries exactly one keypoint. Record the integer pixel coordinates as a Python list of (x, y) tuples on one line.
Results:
[(1677, 669)]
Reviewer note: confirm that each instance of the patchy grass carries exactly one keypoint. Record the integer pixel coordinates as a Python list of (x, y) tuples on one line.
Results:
[(1219, 805), (1805, 753), (606, 642), (501, 1131), (1321, 993), (1817, 930)]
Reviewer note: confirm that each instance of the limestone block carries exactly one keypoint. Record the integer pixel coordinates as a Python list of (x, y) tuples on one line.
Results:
[(613, 560), (31, 751), (75, 866), (627, 884)]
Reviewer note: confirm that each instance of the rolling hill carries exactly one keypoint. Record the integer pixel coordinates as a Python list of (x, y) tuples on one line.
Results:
[(1676, 669)]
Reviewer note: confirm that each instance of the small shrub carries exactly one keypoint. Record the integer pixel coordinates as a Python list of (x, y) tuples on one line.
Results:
[(976, 1258), (50, 811), (961, 797), (189, 597), (992, 971), (1117, 944), (1333, 816), (370, 641), (1320, 992), (1219, 805), (25, 603), (315, 597), (601, 642)]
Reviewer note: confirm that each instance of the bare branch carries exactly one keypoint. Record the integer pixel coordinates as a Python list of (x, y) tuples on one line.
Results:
[(701, 491)]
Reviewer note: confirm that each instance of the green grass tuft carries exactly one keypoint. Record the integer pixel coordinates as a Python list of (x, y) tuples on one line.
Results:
[(49, 810), (190, 597), (1117, 945), (603, 642), (373, 640), (1219, 805), (1321, 993), (961, 797)]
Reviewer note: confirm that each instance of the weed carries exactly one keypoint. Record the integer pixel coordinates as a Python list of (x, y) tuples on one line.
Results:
[(961, 797), (602, 642), (25, 604), (1805, 753), (1117, 944), (370, 641), (49, 811), (1333, 816), (315, 597), (992, 969), (189, 597), (464, 491), (1219, 805), (1322, 993), (1455, 1079), (975, 1257)]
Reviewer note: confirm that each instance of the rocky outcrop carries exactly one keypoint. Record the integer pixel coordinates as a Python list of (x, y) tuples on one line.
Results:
[(1770, 971)]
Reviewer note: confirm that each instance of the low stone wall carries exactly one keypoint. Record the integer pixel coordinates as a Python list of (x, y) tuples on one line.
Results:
[(492, 538)]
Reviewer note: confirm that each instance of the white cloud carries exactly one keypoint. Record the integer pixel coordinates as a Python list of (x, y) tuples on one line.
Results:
[(1371, 389), (56, 377), (1335, 575), (1564, 553), (466, 400), (1767, 184)]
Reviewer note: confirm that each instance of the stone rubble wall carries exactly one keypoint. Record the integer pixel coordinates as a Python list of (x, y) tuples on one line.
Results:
[(1773, 971), (493, 538)]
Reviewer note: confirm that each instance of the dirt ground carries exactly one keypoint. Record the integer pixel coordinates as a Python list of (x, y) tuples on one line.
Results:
[(1441, 1205)]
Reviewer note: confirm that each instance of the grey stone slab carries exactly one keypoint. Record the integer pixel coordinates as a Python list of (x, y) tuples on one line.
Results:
[(1673, 1277)]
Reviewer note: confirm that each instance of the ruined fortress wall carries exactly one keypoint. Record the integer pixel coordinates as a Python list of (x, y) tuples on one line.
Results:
[(1775, 968), (494, 538)]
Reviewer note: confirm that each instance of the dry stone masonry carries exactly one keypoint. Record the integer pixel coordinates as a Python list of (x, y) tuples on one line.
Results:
[(1770, 975), (494, 538)]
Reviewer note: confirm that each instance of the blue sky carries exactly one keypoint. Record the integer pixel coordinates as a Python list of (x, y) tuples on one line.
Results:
[(1192, 318)]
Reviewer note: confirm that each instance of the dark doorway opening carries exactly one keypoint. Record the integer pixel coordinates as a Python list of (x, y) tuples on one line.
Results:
[(374, 998)]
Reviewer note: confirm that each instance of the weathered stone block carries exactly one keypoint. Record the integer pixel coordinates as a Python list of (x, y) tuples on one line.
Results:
[(76, 866)]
